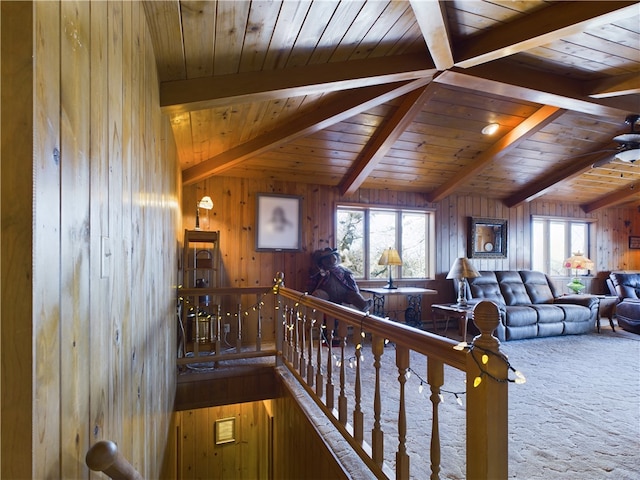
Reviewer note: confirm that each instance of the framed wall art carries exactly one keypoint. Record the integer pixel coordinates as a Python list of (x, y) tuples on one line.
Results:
[(634, 242), (487, 238), (278, 221), (225, 430)]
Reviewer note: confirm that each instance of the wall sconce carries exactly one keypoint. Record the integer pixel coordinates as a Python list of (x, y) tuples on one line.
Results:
[(462, 269), (390, 257), (207, 204)]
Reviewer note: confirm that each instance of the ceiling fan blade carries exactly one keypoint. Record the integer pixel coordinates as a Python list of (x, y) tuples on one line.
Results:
[(604, 161)]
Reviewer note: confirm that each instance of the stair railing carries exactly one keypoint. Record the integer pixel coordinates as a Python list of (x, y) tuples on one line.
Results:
[(105, 457)]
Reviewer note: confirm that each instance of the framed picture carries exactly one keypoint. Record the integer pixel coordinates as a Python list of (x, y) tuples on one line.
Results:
[(487, 238), (278, 220), (634, 243), (225, 430)]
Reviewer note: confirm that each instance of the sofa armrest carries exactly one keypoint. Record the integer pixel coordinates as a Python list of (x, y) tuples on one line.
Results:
[(584, 300)]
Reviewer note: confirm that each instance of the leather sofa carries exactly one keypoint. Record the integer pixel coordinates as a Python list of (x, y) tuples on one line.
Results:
[(530, 306), (627, 288)]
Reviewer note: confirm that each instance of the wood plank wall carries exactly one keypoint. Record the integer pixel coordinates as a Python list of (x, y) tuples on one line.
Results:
[(266, 429), (103, 199), (235, 209)]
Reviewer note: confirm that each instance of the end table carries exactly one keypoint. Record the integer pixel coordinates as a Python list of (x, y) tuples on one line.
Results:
[(606, 308), (455, 311)]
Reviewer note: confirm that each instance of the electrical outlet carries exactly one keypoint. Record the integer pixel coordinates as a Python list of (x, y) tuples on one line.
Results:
[(227, 328)]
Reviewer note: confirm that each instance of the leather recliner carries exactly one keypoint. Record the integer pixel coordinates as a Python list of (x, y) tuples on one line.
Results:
[(627, 287)]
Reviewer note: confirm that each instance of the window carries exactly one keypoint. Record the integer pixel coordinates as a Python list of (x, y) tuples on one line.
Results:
[(553, 240), (362, 233)]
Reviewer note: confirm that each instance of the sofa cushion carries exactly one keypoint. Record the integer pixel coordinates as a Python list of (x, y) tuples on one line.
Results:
[(574, 313), (537, 286), (521, 315), (549, 313), (512, 288), (485, 287)]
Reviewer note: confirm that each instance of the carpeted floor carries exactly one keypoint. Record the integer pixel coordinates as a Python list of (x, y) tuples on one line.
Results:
[(576, 418)]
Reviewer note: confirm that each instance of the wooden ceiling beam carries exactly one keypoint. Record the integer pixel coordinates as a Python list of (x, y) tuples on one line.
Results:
[(547, 181), (385, 137), (534, 86), (615, 86), (432, 19), (345, 106), (531, 125), (540, 27), (613, 198), (210, 92)]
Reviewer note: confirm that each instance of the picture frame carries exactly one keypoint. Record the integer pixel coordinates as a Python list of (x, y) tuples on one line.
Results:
[(634, 242), (225, 430), (278, 221), (487, 238)]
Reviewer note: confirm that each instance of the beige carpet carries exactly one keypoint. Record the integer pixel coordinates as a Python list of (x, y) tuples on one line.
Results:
[(577, 417)]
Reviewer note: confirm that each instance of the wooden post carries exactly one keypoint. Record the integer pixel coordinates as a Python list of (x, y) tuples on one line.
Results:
[(487, 401), (435, 378), (402, 458), (377, 435)]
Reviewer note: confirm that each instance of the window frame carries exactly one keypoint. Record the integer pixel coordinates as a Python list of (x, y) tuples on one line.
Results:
[(430, 237), (568, 222)]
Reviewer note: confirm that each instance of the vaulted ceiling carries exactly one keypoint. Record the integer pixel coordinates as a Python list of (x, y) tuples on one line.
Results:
[(395, 94)]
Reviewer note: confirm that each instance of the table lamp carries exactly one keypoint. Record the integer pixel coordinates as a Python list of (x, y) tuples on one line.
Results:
[(462, 269), (390, 257), (577, 262), (207, 204)]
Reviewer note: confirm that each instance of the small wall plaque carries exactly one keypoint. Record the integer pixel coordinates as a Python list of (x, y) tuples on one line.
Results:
[(634, 242), (225, 430)]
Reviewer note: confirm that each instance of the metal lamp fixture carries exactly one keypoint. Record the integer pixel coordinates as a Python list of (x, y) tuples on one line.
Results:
[(577, 262), (390, 257), (206, 203), (462, 269)]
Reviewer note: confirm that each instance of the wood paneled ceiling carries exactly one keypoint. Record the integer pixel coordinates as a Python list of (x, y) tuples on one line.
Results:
[(394, 94)]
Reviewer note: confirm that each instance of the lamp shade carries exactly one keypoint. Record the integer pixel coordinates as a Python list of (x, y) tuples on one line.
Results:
[(462, 268), (579, 262), (206, 203), (390, 257)]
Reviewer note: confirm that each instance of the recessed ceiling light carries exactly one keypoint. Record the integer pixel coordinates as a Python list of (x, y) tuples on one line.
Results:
[(490, 129)]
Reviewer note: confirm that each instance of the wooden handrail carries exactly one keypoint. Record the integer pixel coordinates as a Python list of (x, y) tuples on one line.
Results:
[(105, 457), (487, 401)]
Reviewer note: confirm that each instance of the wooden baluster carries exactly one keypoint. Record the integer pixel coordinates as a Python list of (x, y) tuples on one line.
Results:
[(402, 459), (280, 319), (435, 378), (377, 435), (239, 322), (218, 324), (296, 337), (319, 378), (487, 403), (291, 327), (342, 398), (330, 394), (303, 320), (310, 372), (358, 416), (259, 333), (285, 331)]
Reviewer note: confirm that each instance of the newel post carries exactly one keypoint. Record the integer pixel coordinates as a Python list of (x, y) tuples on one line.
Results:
[(487, 399)]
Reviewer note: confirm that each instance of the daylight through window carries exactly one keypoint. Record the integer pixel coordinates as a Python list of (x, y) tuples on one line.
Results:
[(553, 240), (363, 233)]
